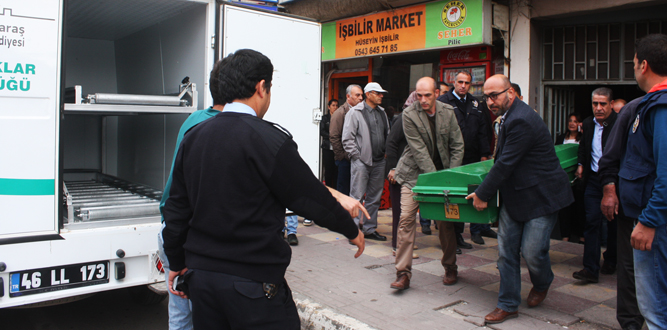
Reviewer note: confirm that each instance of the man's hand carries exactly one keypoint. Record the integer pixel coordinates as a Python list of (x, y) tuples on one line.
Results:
[(484, 158), (360, 243), (391, 177), (350, 204), (170, 285), (609, 204), (579, 172), (642, 237), (477, 203)]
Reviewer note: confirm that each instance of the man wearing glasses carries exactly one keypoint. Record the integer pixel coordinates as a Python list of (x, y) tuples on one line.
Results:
[(471, 117), (533, 187), (364, 135)]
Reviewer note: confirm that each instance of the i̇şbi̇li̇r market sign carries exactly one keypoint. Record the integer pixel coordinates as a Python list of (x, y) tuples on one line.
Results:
[(441, 24)]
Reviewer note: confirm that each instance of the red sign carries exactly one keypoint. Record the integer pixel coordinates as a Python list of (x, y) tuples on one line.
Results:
[(463, 55)]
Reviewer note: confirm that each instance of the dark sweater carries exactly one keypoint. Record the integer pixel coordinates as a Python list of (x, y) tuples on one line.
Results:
[(233, 177)]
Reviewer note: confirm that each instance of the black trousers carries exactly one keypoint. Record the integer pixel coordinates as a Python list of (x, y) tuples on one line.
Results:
[(627, 310), (330, 168), (222, 301)]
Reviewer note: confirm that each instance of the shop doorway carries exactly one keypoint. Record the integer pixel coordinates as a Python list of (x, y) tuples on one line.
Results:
[(560, 101), (340, 86)]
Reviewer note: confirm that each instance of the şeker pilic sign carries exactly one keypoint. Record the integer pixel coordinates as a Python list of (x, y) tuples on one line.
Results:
[(434, 25)]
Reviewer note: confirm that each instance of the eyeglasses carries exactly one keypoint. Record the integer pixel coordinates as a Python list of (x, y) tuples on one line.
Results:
[(493, 96)]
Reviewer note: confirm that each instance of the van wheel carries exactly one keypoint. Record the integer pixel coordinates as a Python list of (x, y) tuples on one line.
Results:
[(142, 295)]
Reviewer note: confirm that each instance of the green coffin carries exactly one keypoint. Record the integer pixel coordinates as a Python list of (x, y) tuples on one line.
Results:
[(441, 195)]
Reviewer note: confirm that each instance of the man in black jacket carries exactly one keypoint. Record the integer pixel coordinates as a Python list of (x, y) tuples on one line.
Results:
[(596, 130), (471, 116), (233, 177), (627, 310), (533, 186)]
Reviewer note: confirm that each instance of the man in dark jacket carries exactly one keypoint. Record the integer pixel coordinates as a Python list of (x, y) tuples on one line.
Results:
[(596, 130), (533, 186), (643, 181), (627, 310), (471, 116), (233, 177)]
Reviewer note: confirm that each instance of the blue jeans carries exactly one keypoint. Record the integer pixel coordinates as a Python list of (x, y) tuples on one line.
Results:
[(530, 239), (180, 310), (651, 280), (292, 223), (424, 222), (344, 176)]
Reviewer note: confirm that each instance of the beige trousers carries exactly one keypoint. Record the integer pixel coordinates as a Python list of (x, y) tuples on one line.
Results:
[(407, 229)]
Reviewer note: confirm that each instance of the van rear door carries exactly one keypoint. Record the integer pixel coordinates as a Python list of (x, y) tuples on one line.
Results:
[(30, 54), (294, 47)]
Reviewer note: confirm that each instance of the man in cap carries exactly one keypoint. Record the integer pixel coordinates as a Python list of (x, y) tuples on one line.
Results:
[(364, 135)]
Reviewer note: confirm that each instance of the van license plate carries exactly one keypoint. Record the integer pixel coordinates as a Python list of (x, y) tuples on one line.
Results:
[(58, 278), (452, 212)]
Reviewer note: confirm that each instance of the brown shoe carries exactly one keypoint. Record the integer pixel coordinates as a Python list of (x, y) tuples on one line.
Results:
[(402, 282), (498, 316), (535, 297), (451, 275)]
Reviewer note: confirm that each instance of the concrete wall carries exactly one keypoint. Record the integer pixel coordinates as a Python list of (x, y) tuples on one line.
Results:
[(547, 8)]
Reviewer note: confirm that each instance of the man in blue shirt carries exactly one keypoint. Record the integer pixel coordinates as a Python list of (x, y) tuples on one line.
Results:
[(596, 132), (643, 180)]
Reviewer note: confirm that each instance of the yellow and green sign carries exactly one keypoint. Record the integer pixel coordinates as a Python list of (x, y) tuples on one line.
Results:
[(434, 25)]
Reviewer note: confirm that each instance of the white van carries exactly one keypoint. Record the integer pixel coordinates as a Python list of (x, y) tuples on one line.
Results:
[(92, 94)]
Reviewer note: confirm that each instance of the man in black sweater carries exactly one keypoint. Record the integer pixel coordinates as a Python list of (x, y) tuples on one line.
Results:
[(233, 177)]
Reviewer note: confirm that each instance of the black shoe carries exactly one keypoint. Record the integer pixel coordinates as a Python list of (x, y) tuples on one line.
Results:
[(458, 251), (461, 243), (585, 275), (292, 240), (426, 229), (477, 238), (375, 236), (490, 233), (607, 268)]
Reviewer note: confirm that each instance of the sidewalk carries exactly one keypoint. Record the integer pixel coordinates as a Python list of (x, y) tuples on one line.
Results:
[(335, 291)]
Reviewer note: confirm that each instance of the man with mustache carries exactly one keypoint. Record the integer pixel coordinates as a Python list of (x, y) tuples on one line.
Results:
[(596, 131)]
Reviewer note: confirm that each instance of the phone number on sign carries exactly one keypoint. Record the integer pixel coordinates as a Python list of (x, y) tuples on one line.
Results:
[(376, 50)]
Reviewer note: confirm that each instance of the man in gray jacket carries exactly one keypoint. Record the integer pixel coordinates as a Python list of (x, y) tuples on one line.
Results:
[(434, 143), (364, 134)]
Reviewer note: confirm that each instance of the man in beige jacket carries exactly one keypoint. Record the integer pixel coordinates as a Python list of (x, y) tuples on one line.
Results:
[(434, 143), (354, 95)]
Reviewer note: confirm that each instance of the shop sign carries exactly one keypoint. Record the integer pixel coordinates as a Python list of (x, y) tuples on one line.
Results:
[(435, 25)]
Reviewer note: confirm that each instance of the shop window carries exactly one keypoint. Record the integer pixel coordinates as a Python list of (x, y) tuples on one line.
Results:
[(593, 52)]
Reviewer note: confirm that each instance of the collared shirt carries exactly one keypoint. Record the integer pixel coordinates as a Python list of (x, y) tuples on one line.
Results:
[(239, 108), (463, 100), (596, 148)]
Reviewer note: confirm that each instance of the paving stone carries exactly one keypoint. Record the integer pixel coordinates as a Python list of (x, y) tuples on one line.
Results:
[(490, 255), (601, 315), (476, 277), (543, 313), (557, 282), (567, 247), (472, 260), (378, 251), (559, 257), (589, 291), (566, 303), (524, 322), (564, 269)]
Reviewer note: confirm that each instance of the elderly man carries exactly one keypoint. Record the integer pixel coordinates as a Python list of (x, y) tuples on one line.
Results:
[(364, 140), (596, 132), (353, 97), (534, 187), (434, 143), (643, 181), (472, 118)]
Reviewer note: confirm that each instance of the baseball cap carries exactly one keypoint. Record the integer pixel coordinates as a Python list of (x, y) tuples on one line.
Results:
[(373, 86)]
